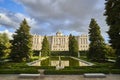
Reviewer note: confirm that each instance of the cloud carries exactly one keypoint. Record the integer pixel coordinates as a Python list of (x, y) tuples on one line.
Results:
[(49, 16), (12, 20), (8, 33), (7, 21), (69, 15)]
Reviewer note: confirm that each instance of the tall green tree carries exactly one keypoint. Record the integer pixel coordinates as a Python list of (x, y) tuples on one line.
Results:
[(4, 45), (45, 51), (97, 49), (73, 46), (112, 14), (22, 43), (70, 44)]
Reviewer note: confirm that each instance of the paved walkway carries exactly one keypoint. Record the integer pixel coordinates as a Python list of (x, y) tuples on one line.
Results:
[(58, 77)]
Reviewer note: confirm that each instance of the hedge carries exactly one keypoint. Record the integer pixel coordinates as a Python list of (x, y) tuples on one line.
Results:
[(60, 53), (82, 71), (18, 71), (73, 72)]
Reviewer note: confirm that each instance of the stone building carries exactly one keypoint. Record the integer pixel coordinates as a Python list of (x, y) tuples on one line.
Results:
[(60, 42)]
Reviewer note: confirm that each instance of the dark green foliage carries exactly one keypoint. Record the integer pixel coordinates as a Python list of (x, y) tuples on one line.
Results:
[(110, 51), (97, 48), (21, 43), (98, 68), (118, 61), (70, 44), (55, 58), (112, 8), (60, 53), (17, 68), (45, 51), (36, 52), (73, 46), (73, 62), (45, 62), (2, 47), (76, 72), (62, 72), (19, 71), (83, 53)]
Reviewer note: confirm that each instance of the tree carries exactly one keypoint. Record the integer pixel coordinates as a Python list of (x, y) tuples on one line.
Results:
[(112, 14), (4, 45), (70, 44), (21, 43), (110, 51), (45, 51), (97, 48), (73, 46)]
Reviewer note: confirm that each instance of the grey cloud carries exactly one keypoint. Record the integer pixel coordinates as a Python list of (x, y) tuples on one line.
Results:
[(7, 22), (56, 12), (49, 16), (12, 20)]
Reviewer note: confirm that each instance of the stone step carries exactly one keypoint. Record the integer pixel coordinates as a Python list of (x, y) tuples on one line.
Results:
[(94, 75), (29, 75)]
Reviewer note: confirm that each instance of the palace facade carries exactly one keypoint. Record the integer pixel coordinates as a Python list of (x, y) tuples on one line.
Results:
[(60, 42)]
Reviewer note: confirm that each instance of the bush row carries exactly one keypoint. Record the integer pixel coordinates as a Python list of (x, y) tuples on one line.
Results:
[(60, 72), (23, 66), (60, 53), (18, 71), (74, 72)]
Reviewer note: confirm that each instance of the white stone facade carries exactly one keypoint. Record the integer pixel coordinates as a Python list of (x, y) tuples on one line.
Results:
[(60, 42)]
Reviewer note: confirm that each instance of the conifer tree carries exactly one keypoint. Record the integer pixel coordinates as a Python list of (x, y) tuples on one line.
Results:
[(112, 14), (73, 46), (45, 51), (70, 44), (97, 49), (21, 49)]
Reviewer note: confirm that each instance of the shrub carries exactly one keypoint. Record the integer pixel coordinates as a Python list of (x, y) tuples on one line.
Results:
[(18, 71), (45, 62), (115, 71), (60, 53), (74, 72), (73, 62)]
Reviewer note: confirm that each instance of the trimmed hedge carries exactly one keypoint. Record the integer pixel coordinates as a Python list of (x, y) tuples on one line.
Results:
[(17, 68), (18, 71), (73, 72), (82, 71), (60, 53), (54, 58)]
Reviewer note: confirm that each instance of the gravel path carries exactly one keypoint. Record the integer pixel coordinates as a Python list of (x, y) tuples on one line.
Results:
[(58, 77)]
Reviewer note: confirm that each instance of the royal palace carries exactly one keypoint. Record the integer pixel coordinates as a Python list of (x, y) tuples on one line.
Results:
[(60, 42)]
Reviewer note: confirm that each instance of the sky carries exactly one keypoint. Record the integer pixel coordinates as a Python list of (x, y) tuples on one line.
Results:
[(46, 17)]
